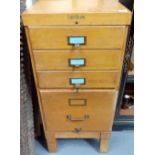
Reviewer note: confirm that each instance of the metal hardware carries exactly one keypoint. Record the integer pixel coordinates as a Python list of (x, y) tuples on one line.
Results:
[(77, 62), (73, 119), (77, 81), (77, 45), (76, 40), (77, 102), (77, 130)]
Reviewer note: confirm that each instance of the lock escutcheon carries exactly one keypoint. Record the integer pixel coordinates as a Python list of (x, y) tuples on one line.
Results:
[(77, 130)]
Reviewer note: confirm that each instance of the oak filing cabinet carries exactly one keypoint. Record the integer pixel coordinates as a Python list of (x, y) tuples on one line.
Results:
[(77, 49)]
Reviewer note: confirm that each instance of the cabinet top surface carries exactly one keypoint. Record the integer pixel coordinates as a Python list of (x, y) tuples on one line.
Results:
[(83, 12), (76, 6)]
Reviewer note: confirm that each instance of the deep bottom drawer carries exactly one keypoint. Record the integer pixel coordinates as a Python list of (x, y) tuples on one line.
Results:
[(85, 110)]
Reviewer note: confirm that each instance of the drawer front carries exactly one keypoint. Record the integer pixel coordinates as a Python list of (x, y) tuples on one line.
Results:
[(78, 79), (77, 60), (87, 110), (82, 37)]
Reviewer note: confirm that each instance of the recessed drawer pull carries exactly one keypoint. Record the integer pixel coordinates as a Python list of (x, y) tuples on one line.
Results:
[(77, 62), (74, 119), (76, 40), (77, 81)]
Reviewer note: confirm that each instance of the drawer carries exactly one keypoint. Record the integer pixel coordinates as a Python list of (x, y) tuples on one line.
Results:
[(78, 79), (81, 37), (77, 60), (87, 110)]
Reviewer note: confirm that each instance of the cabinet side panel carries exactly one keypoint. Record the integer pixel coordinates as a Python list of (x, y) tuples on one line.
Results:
[(35, 75)]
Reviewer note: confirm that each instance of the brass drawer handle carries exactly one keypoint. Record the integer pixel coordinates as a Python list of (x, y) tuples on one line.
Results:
[(76, 40), (77, 62), (77, 81), (73, 119)]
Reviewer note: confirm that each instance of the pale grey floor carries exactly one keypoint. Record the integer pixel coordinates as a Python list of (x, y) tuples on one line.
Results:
[(122, 143)]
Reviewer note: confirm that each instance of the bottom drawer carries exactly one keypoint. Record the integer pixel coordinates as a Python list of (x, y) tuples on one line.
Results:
[(85, 110)]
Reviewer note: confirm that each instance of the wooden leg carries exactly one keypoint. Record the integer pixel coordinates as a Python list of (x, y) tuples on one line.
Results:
[(51, 143), (104, 141)]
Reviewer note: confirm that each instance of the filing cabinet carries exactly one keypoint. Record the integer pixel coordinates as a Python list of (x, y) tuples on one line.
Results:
[(77, 49)]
